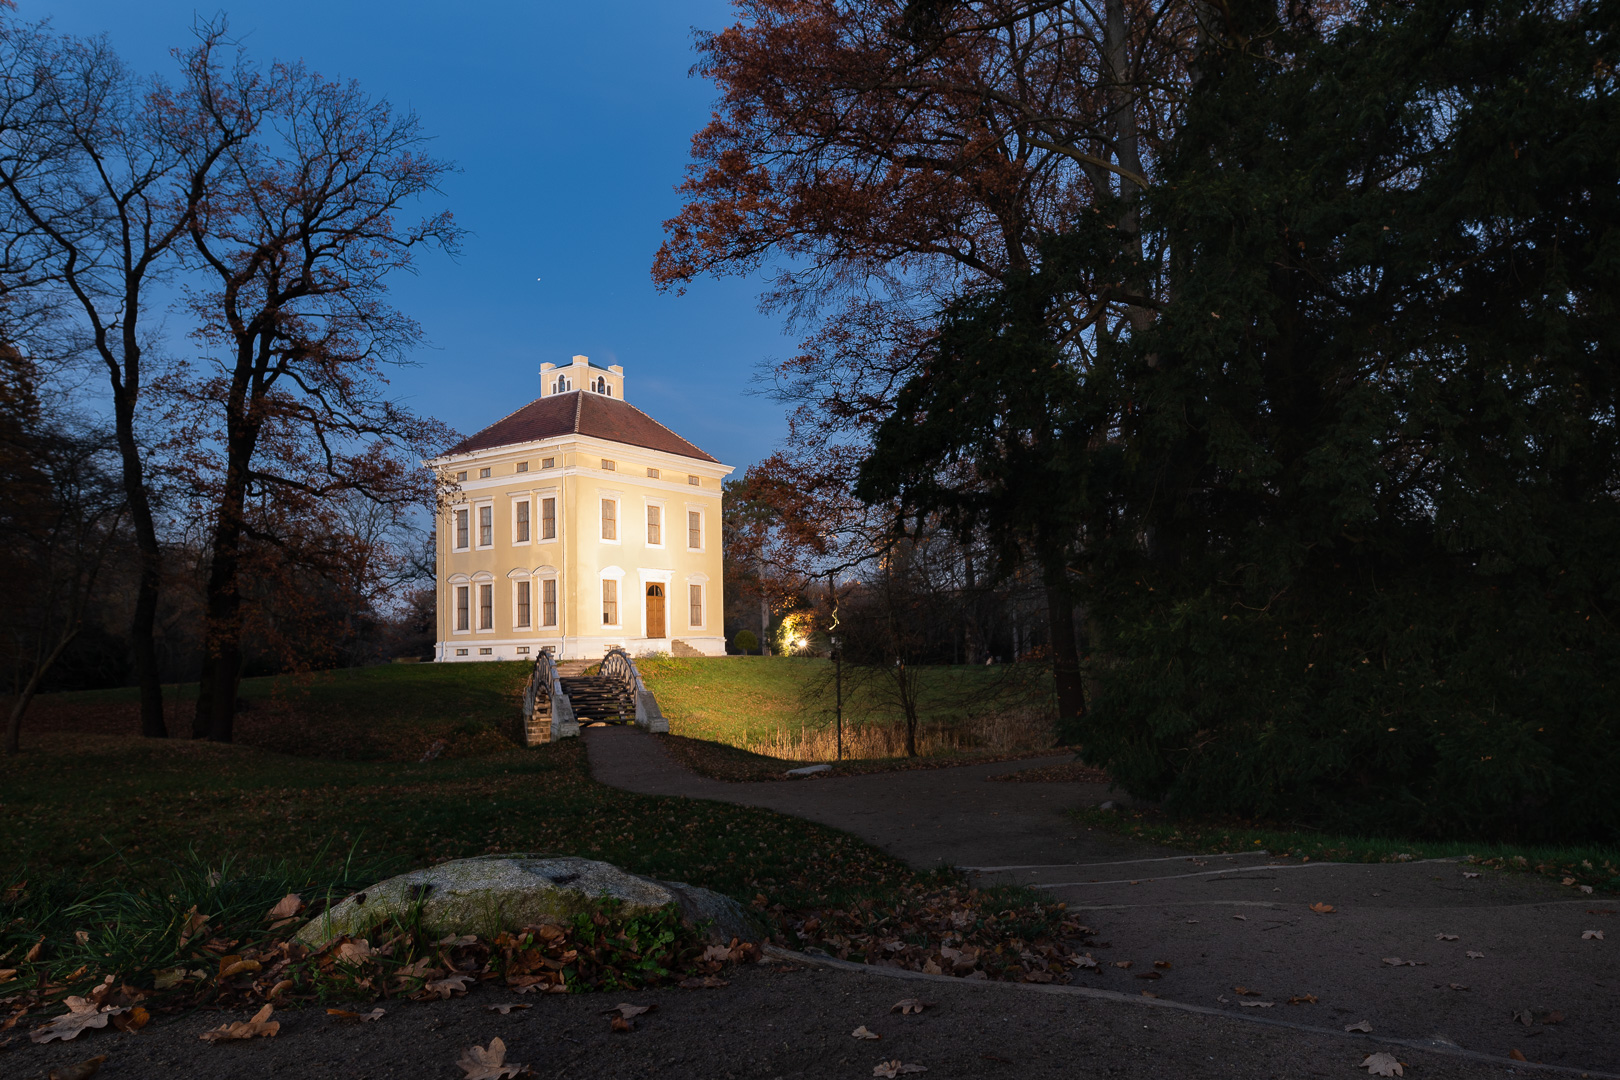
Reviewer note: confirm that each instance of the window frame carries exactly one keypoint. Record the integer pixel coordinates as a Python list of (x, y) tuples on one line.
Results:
[(526, 521), (461, 605), (552, 496), (486, 590), (617, 602), (702, 530), (555, 602), (697, 605), (483, 506), (603, 498), (460, 540), (523, 601), (648, 506)]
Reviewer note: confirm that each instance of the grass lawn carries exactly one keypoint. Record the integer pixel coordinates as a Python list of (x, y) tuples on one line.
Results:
[(111, 840)]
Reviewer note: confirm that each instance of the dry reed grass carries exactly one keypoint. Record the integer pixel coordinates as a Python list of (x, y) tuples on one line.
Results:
[(1007, 731)]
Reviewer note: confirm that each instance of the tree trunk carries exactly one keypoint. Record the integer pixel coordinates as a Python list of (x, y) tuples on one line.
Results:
[(222, 664), (1071, 691), (20, 706), (149, 579)]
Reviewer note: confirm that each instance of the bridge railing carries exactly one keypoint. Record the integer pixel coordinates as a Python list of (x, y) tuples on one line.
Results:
[(547, 714), (619, 666)]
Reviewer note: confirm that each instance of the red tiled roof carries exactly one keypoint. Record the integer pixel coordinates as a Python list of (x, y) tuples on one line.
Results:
[(580, 413)]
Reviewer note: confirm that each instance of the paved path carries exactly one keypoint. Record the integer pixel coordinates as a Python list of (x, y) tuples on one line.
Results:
[(1236, 920)]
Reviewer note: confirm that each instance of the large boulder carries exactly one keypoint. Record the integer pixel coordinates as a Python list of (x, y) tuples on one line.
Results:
[(491, 893)]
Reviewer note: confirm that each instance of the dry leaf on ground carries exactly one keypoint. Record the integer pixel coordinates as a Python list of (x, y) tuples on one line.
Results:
[(1245, 918), (1244, 991), (863, 1033), (1382, 1065), (1162, 964), (1470, 873), (1591, 935), (443, 988), (1359, 1025), (910, 1005), (194, 924), (1123, 963), (286, 907), (707, 982), (1458, 986), (82, 1013), (1474, 955), (890, 1069), (1445, 937), (1302, 999), (261, 1024), (627, 1010), (357, 1017), (480, 1063), (1516, 1055), (79, 1070), (1322, 909), (1395, 961), (620, 1024), (505, 1009)]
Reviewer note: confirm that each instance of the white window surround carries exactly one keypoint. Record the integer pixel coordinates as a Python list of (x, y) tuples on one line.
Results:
[(663, 523), (537, 515), (703, 527), (459, 584), (479, 581), (702, 605), (518, 584), (523, 500), (478, 524), (617, 500), (615, 575), (456, 535), (542, 576)]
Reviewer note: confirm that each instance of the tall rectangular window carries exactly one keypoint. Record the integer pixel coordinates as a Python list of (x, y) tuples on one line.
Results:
[(548, 519), (462, 539), (486, 607), (694, 594), (655, 531), (610, 602), (522, 618), (610, 519), (486, 526), (694, 529), (548, 602), (522, 522), (463, 615)]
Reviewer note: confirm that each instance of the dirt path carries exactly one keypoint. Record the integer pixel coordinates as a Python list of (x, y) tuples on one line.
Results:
[(1242, 920)]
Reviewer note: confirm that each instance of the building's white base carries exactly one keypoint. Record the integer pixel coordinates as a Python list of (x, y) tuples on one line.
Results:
[(472, 648)]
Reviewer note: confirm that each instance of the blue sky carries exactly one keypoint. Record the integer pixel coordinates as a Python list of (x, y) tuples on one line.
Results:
[(571, 124)]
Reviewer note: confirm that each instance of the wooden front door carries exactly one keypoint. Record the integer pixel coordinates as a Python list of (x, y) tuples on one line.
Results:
[(655, 611)]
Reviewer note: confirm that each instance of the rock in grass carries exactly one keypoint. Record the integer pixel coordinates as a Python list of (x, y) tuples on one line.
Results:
[(491, 893)]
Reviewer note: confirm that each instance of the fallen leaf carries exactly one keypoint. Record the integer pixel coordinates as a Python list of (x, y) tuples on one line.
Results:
[(353, 952), (480, 1063), (261, 1024), (620, 1024), (357, 1017), (443, 988), (1567, 881), (890, 1069), (708, 982), (1470, 873), (1244, 991), (1586, 889), (1591, 935), (79, 1070), (82, 937), (238, 967), (132, 1021), (170, 977), (82, 1014), (1458, 986), (1523, 1017), (7, 974), (505, 1009), (862, 1033), (1382, 1065), (910, 1005), (1321, 909), (1395, 961), (1162, 964), (1474, 955), (1123, 963), (1302, 999), (1257, 1004), (195, 921), (1149, 993), (286, 907), (629, 1011), (721, 953), (33, 954), (1149, 975), (1516, 1056), (1359, 1025), (1245, 918), (931, 968), (281, 987), (1445, 937)]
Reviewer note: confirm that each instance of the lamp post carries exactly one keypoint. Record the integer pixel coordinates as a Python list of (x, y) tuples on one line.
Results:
[(838, 688)]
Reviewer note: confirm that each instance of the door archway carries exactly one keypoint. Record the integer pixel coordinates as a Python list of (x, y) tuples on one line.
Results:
[(655, 611)]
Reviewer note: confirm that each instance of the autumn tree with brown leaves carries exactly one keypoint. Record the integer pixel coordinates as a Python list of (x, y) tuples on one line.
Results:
[(887, 156)]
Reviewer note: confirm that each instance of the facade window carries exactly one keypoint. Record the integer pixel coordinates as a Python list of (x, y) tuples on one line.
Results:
[(463, 613), (486, 652), (694, 596), (548, 602), (461, 477), (486, 526), (521, 619), (548, 519), (548, 463), (652, 474), (694, 529), (561, 386), (520, 521), (522, 466), (483, 474), (694, 481), (609, 466), (486, 607), (610, 519), (461, 652), (610, 602), (655, 531), (462, 539), (523, 650)]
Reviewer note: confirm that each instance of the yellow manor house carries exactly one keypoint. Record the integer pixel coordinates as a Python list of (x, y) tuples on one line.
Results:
[(579, 523)]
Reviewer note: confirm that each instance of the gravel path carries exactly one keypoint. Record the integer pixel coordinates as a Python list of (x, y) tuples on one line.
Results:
[(1241, 920)]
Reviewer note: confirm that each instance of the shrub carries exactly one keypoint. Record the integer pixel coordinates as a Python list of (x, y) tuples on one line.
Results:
[(745, 642)]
